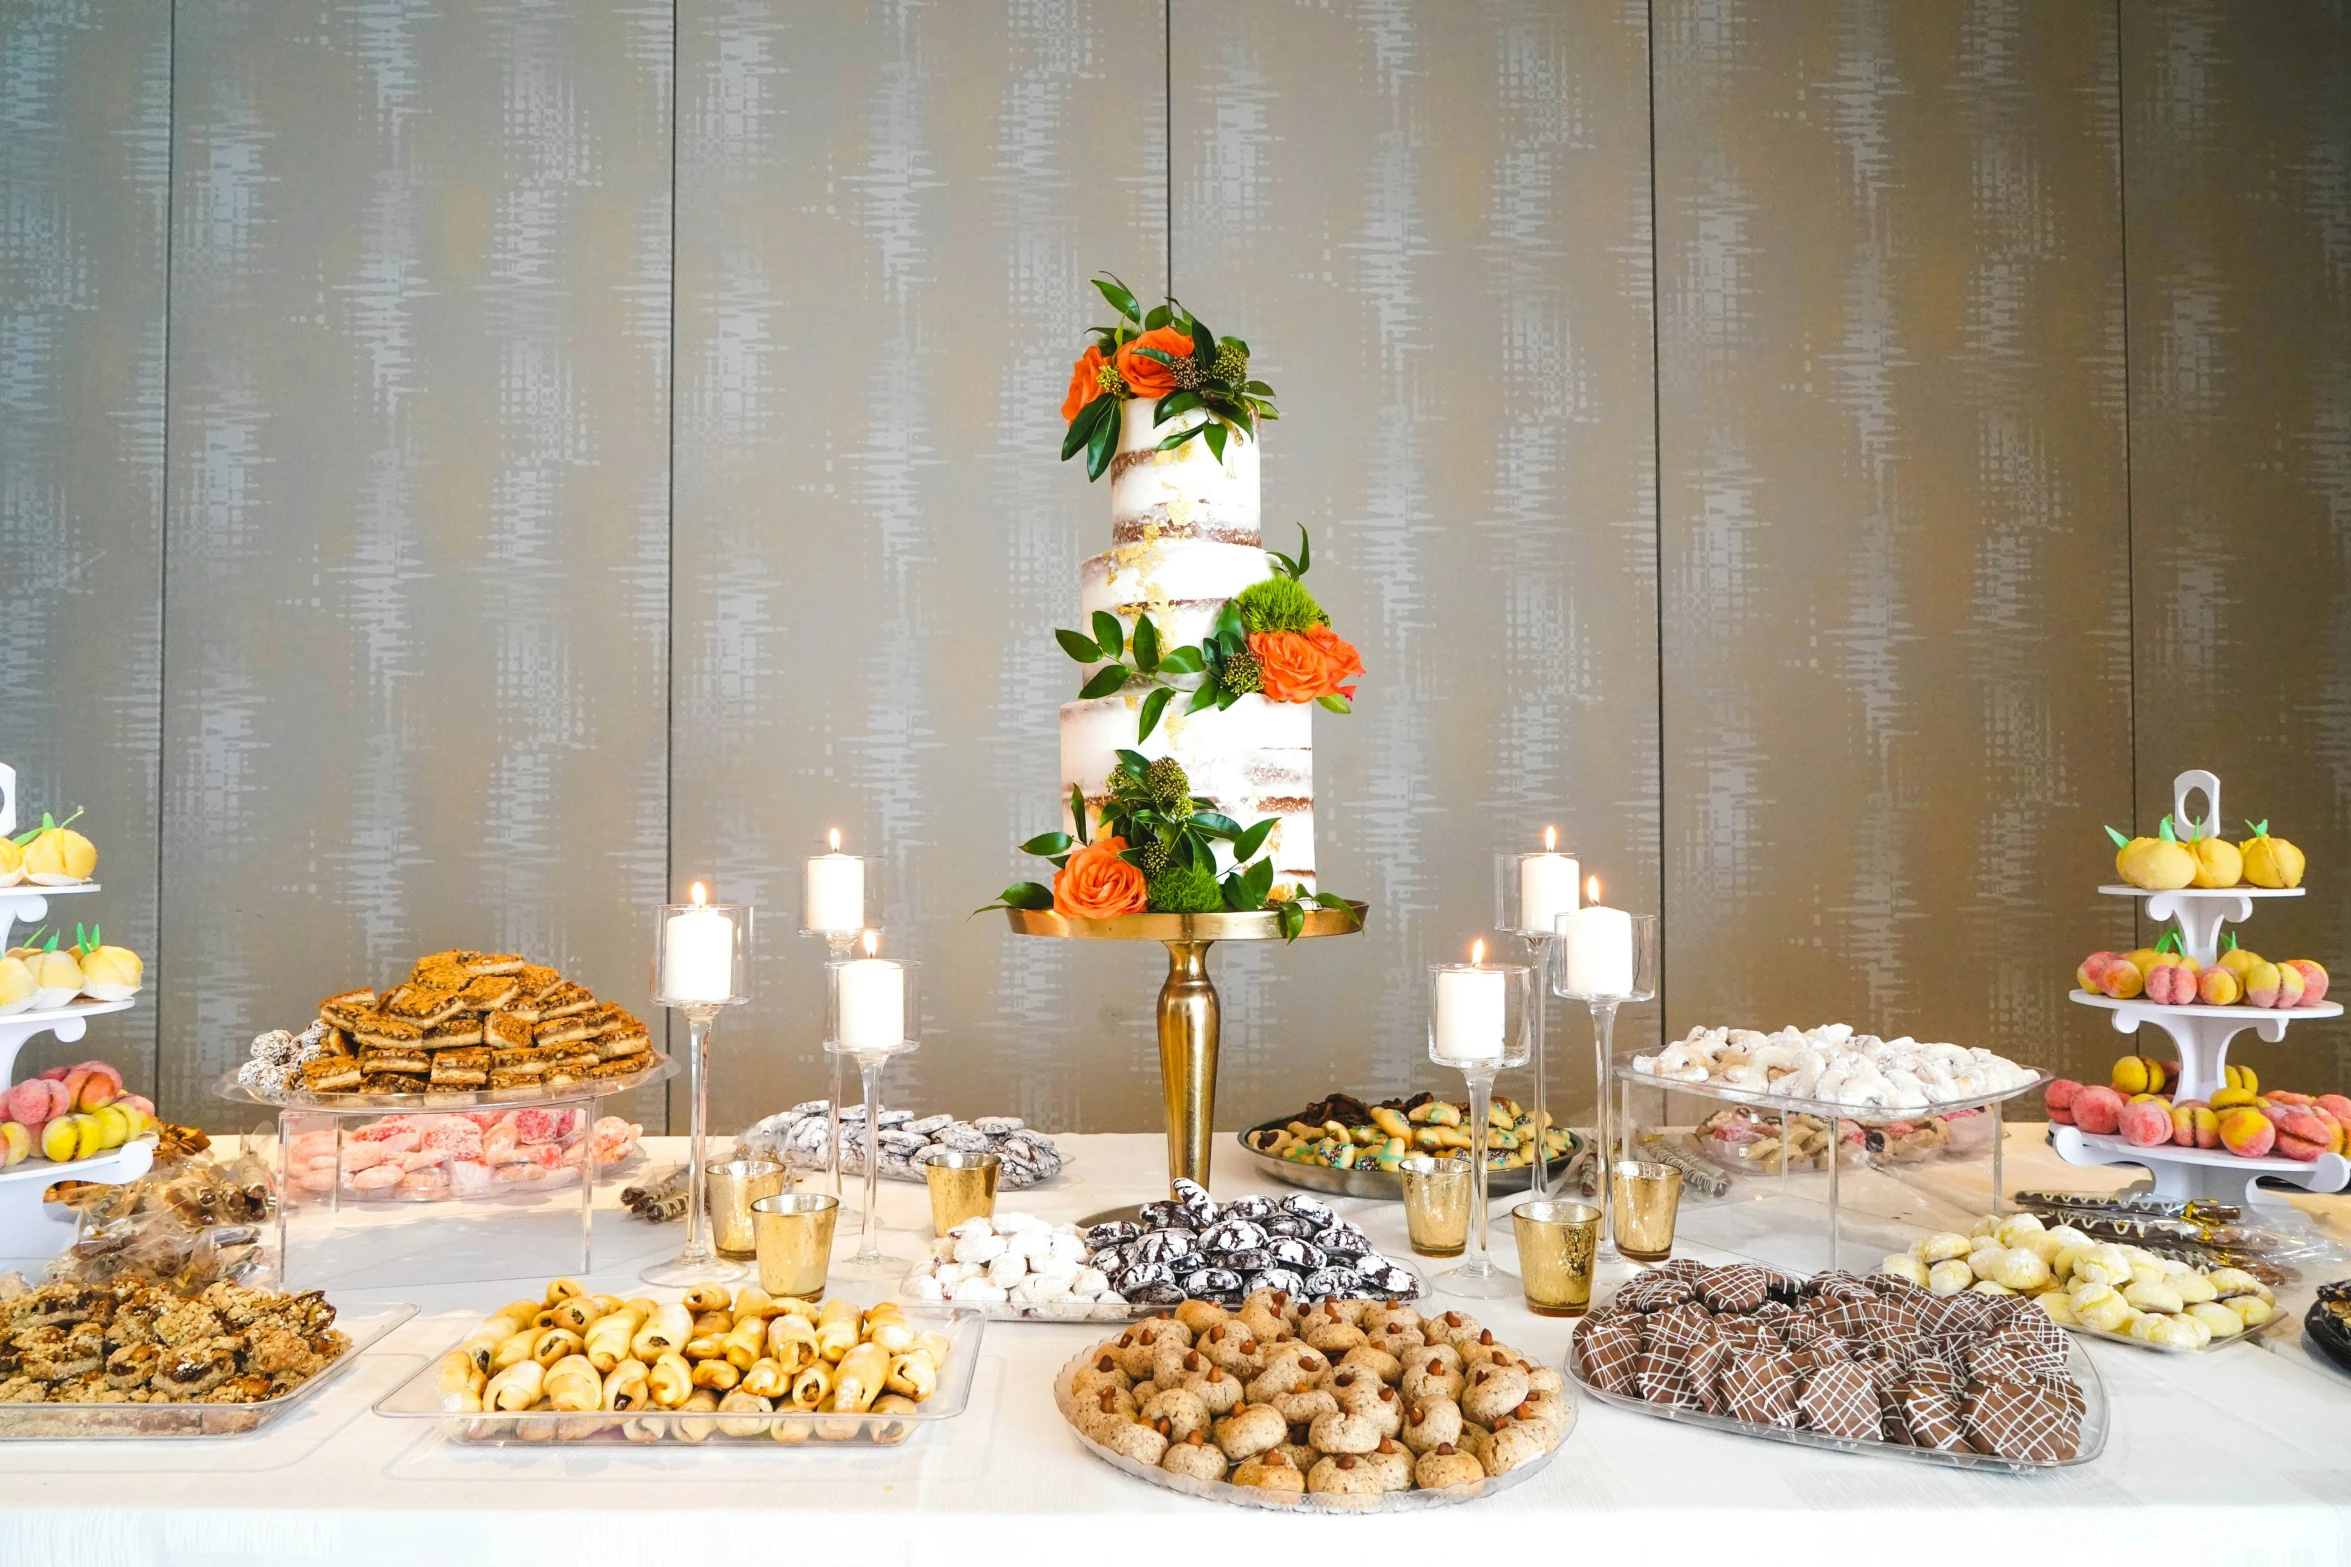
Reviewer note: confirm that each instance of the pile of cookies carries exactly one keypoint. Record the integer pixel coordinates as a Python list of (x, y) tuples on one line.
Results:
[(1879, 1359), (1348, 1400), (2077, 1280), (797, 1137), (137, 1340), (1015, 1259), (728, 1364), (1189, 1246), (461, 1021)]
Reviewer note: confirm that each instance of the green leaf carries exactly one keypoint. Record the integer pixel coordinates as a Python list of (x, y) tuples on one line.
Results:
[(1135, 761), (1102, 444), (1189, 432), (1305, 551), (2120, 841), (1020, 895), (1172, 404), (1077, 810), (1292, 914), (1204, 697), (1106, 680), (2169, 943), (2259, 829), (1246, 846), (1079, 646), (1335, 702), (1081, 429), (1109, 634), (1247, 889), (1234, 342), (1226, 698), (1215, 440), (1048, 843), (1153, 705), (1146, 645), (1122, 298), (1217, 824), (2164, 831), (1258, 389), (1331, 900), (1228, 624), (1181, 661), (2232, 939), (1159, 354), (1158, 318), (1203, 341), (1133, 857)]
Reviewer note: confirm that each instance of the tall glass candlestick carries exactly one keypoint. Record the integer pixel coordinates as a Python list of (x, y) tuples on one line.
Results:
[(1478, 1026), (871, 1018), (1605, 958), (1531, 891), (701, 966), (832, 905)]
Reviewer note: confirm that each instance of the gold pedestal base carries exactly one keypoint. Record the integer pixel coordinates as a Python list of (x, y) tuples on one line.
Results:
[(1189, 1015)]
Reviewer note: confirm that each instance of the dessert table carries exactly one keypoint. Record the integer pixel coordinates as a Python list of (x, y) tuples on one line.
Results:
[(2251, 1444)]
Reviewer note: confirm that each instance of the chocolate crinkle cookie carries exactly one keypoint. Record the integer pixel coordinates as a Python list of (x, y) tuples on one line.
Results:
[(906, 1142)]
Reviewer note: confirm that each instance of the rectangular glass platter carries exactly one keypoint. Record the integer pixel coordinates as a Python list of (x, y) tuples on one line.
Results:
[(366, 1326), (417, 1399)]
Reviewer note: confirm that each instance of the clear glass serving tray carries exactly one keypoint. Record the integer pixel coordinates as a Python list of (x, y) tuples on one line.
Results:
[(453, 1098), (366, 1326), (1383, 1185), (2095, 1419), (1860, 1115), (1038, 1311), (419, 1399), (1283, 1502)]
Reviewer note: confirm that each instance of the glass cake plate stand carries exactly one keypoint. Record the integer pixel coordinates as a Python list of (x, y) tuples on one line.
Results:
[(2095, 1421), (1280, 1502), (454, 1098), (365, 1325)]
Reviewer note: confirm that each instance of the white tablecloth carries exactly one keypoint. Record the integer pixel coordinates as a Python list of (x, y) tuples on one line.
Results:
[(2245, 1452)]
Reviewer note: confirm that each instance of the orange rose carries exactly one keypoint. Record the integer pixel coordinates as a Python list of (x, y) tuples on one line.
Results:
[(1148, 377), (1085, 383), (1095, 883), (1340, 659), (1294, 668)]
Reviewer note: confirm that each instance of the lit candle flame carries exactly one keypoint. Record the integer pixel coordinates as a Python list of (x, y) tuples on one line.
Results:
[(1550, 839), (1592, 889), (836, 837), (1477, 953), (699, 895), (873, 942)]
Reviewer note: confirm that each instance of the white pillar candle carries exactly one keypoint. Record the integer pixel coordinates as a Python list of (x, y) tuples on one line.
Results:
[(872, 1002), (1546, 886), (1596, 949), (835, 892), (1472, 1010), (698, 955)]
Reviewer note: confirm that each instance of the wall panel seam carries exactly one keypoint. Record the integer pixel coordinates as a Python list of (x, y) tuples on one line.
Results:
[(171, 144)]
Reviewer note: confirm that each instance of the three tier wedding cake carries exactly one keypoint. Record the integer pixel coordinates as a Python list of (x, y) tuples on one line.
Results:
[(1187, 759)]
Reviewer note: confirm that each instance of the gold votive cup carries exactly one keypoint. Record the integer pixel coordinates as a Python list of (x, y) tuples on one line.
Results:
[(735, 1184), (1436, 1204), (1644, 1198), (794, 1233), (963, 1186), (1556, 1244)]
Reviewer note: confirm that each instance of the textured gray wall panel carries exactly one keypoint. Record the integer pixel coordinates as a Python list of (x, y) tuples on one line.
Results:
[(1891, 432), (85, 137), (418, 595)]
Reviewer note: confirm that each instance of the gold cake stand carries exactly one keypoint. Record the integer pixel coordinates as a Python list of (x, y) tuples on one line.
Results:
[(1188, 1010)]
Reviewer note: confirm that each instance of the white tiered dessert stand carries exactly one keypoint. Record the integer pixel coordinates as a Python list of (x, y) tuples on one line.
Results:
[(2202, 1034), (29, 1227)]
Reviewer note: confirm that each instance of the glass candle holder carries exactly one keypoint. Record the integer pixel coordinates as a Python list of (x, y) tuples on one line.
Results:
[(872, 1016), (836, 892), (1436, 1204), (1479, 1024), (701, 965), (1531, 891), (1604, 958)]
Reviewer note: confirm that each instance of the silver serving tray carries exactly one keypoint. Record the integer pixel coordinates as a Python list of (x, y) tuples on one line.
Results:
[(1379, 1184)]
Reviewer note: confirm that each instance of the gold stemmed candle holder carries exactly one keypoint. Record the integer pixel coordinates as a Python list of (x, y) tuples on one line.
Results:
[(1188, 1008)]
